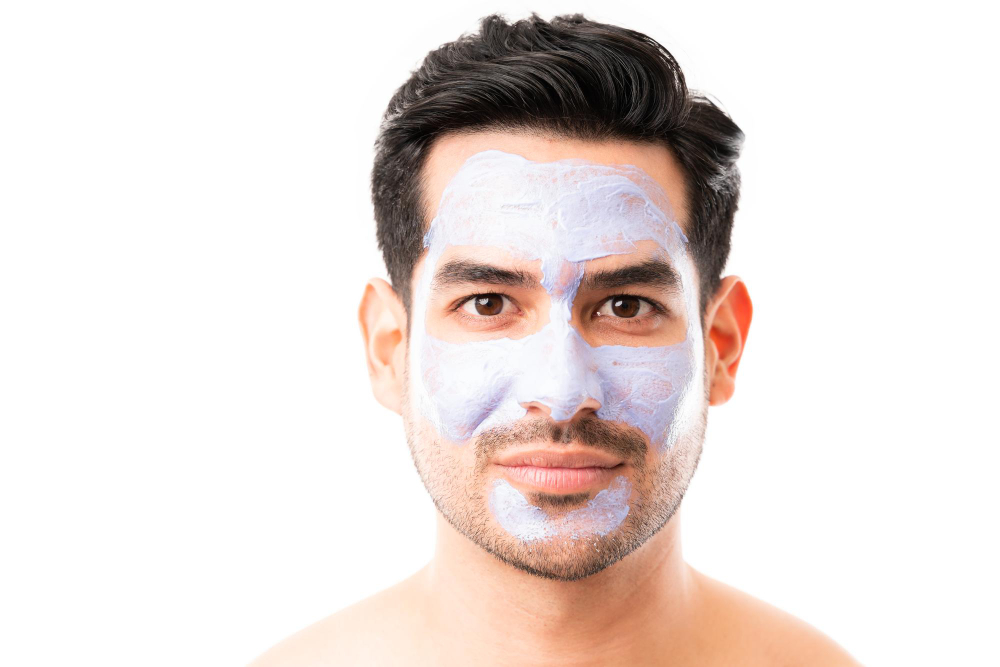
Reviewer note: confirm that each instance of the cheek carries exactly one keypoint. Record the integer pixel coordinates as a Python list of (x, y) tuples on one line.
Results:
[(465, 383), (649, 388), (467, 388)]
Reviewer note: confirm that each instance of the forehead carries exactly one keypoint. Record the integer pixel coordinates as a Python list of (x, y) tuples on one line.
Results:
[(450, 152)]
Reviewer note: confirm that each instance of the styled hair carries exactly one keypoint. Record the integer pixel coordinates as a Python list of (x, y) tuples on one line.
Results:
[(569, 77)]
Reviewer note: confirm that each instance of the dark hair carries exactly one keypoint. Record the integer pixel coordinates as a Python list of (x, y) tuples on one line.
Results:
[(571, 77)]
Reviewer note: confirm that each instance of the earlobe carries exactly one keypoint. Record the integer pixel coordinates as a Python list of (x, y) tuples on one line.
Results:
[(727, 323), (383, 329)]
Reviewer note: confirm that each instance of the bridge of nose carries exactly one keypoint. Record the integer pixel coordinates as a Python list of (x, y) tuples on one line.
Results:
[(560, 375)]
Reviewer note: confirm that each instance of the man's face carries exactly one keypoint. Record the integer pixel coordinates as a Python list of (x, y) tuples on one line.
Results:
[(555, 391)]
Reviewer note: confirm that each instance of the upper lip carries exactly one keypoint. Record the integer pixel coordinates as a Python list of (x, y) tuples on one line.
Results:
[(551, 458)]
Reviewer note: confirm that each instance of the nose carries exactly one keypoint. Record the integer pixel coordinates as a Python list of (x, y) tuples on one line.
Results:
[(589, 404), (560, 376)]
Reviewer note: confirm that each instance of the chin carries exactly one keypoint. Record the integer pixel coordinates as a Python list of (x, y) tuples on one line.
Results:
[(563, 558)]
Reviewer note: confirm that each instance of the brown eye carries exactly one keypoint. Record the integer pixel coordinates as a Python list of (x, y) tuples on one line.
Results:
[(626, 307), (486, 305)]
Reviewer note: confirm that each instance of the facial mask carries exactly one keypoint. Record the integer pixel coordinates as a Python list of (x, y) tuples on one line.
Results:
[(562, 213), (519, 517)]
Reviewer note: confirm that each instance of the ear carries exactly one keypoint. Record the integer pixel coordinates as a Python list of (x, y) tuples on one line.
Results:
[(727, 321), (383, 328)]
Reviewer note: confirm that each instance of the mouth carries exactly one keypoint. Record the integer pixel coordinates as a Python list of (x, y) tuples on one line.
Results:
[(562, 471)]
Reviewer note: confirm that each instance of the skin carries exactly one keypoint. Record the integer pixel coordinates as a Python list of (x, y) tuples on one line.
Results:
[(466, 606)]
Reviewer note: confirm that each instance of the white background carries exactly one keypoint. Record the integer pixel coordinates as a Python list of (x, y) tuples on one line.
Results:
[(193, 466)]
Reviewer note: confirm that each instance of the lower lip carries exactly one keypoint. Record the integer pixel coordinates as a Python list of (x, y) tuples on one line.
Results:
[(560, 480)]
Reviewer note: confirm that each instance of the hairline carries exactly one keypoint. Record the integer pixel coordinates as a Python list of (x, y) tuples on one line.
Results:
[(682, 213)]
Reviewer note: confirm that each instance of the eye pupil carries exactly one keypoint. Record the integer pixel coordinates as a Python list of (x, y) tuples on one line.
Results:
[(625, 306), (489, 304)]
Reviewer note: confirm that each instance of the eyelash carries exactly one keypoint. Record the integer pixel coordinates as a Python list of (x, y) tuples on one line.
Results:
[(657, 309), (457, 308)]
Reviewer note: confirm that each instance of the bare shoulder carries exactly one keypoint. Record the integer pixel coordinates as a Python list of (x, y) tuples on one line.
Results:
[(377, 630), (760, 633)]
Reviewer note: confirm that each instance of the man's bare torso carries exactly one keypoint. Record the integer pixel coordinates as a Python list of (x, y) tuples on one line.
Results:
[(390, 628)]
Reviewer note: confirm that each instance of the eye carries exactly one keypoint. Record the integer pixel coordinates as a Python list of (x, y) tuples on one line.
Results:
[(626, 307), (486, 305)]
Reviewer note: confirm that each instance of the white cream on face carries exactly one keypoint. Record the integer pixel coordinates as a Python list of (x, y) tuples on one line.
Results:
[(520, 518), (562, 213)]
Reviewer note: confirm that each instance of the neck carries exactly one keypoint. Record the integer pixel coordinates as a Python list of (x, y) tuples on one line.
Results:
[(480, 606)]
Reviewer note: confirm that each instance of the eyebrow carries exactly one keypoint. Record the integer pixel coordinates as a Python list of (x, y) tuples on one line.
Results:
[(460, 271), (653, 272)]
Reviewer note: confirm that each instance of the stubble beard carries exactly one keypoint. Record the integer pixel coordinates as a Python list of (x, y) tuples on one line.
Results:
[(460, 493)]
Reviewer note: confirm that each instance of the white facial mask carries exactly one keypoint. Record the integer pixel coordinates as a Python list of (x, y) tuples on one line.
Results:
[(563, 213)]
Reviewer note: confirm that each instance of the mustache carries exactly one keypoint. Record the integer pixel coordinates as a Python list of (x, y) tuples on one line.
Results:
[(622, 441)]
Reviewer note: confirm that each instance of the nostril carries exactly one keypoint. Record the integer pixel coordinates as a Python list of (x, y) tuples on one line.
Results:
[(534, 407), (560, 411), (589, 405)]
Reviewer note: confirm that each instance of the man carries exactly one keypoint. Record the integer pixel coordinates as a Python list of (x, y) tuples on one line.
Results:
[(554, 208)]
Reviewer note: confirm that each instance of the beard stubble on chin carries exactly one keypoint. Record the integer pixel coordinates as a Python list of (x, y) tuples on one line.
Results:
[(460, 492)]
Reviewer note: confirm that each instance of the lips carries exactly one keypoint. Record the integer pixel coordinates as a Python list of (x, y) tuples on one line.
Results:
[(559, 458), (560, 471)]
